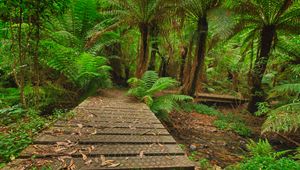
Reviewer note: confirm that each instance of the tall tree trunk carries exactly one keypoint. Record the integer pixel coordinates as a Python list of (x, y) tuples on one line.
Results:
[(144, 51), (198, 65), (188, 65), (260, 65), (183, 54), (163, 67), (154, 47), (36, 55), (21, 58)]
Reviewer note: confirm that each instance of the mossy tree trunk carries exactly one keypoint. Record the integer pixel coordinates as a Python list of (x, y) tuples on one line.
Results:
[(260, 65), (198, 64)]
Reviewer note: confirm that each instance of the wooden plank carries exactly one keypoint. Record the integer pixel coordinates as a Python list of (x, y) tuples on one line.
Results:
[(124, 163), (107, 131), (105, 149), (110, 125), (112, 121), (95, 139)]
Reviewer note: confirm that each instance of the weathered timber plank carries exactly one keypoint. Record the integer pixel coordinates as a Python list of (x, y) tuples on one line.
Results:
[(105, 149), (112, 116), (110, 125), (124, 163), (56, 131), (95, 139)]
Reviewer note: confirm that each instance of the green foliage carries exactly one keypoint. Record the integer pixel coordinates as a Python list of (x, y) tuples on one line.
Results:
[(261, 148), (263, 157), (232, 122), (269, 163), (149, 85), (20, 132), (26, 124), (9, 96), (11, 114), (286, 90), (163, 105), (11, 144), (205, 164), (82, 70), (200, 108), (263, 108), (283, 119)]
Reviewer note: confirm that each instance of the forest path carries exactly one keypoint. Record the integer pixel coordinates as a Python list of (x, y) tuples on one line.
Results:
[(110, 131)]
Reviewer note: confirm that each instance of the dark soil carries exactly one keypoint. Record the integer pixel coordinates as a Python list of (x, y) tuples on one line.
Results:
[(222, 148)]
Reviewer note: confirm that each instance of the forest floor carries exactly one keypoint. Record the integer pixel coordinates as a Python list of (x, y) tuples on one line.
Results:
[(204, 143)]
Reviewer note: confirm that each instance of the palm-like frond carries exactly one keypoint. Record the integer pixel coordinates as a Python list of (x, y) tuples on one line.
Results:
[(286, 90), (150, 84), (134, 13), (283, 119), (167, 103)]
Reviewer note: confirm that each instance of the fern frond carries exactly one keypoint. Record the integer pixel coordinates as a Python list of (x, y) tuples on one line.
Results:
[(163, 105), (162, 84), (149, 77), (286, 90), (283, 119)]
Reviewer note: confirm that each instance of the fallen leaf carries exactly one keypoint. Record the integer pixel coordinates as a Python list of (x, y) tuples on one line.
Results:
[(72, 165), (64, 164), (84, 157), (72, 152), (141, 154), (80, 126), (59, 149), (88, 162), (114, 165), (96, 160), (95, 132), (102, 158), (62, 144)]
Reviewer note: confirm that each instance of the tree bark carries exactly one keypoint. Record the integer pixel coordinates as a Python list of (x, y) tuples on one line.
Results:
[(154, 47), (21, 58), (163, 67), (36, 55), (198, 65), (260, 65), (183, 54), (144, 51)]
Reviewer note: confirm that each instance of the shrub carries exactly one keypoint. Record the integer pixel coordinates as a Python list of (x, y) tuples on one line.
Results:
[(200, 108), (149, 85), (232, 122)]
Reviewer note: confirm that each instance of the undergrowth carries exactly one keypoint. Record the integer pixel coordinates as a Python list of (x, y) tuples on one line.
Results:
[(228, 121), (18, 128), (263, 157)]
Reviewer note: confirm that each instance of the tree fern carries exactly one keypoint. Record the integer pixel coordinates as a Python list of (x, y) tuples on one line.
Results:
[(82, 69), (149, 85)]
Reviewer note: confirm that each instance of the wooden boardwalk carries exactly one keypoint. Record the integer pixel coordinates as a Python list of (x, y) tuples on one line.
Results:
[(108, 132)]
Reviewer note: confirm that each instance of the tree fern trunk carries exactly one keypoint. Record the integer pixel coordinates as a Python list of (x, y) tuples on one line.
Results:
[(154, 48), (144, 51), (260, 65), (198, 65), (183, 54)]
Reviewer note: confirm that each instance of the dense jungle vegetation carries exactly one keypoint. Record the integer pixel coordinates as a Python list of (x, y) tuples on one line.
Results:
[(56, 53)]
